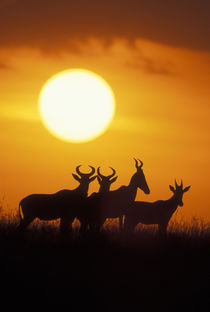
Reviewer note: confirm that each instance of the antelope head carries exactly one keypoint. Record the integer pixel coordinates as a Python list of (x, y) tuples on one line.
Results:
[(106, 181), (140, 177), (179, 191), (84, 178)]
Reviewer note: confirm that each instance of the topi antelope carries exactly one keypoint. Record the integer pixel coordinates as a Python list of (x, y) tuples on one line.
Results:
[(113, 204), (62, 205), (105, 182), (159, 212)]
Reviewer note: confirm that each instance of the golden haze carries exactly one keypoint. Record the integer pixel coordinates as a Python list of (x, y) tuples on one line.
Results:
[(162, 117)]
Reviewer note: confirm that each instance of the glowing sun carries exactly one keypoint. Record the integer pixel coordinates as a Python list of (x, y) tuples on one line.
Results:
[(76, 105)]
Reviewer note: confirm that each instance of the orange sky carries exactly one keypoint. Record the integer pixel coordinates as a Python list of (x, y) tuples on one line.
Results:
[(162, 115)]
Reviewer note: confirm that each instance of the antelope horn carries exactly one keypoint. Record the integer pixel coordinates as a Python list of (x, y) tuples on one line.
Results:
[(77, 170), (113, 173), (100, 175), (176, 184), (85, 174), (103, 176), (181, 184), (92, 171), (141, 163), (137, 165)]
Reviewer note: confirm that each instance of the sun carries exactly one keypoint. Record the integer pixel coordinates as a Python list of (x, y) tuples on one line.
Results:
[(76, 105)]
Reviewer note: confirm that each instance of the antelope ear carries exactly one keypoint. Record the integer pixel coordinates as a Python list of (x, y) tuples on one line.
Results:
[(99, 180), (172, 188), (186, 189), (76, 177), (92, 179), (114, 179)]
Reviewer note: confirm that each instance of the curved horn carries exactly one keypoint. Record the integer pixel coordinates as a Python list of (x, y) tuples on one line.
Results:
[(181, 184), (92, 171), (78, 171), (137, 165), (176, 184), (85, 174), (100, 175), (141, 163), (103, 176), (113, 173)]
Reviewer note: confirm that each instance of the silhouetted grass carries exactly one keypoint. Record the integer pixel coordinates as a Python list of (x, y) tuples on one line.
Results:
[(107, 271)]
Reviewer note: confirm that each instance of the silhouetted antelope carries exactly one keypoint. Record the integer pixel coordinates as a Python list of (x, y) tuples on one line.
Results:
[(158, 212), (113, 204), (105, 183), (62, 205)]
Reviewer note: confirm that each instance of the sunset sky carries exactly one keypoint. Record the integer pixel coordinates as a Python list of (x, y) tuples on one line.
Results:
[(156, 57)]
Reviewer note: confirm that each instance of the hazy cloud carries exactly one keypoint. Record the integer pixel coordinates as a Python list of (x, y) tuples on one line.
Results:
[(4, 66), (151, 66), (54, 25)]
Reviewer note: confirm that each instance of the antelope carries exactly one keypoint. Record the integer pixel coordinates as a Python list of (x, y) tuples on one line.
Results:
[(105, 183), (62, 205), (113, 204), (158, 212)]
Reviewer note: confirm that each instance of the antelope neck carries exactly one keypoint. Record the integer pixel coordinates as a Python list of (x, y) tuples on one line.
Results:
[(83, 189), (173, 203), (132, 189)]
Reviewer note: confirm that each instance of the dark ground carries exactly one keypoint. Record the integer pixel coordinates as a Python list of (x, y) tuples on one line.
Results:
[(104, 272)]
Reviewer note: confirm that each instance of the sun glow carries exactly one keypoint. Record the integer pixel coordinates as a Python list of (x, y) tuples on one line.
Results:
[(76, 105)]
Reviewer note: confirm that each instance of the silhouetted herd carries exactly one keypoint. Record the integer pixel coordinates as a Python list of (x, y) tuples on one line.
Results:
[(92, 211)]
